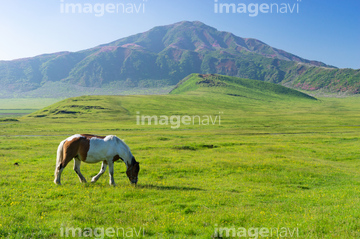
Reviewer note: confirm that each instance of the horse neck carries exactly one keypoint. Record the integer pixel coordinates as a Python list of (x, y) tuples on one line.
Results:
[(126, 156), (128, 161), (125, 153)]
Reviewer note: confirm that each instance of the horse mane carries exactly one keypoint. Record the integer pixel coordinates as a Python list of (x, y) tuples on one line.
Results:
[(119, 141)]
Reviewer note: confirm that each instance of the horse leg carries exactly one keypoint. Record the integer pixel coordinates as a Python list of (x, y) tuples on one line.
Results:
[(102, 171), (58, 172), (60, 167), (111, 173), (59, 159), (77, 164)]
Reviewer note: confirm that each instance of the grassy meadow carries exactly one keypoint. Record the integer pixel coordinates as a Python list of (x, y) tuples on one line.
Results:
[(285, 163), (22, 106)]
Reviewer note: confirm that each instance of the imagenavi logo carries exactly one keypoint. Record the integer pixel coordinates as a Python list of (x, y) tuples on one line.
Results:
[(254, 9)]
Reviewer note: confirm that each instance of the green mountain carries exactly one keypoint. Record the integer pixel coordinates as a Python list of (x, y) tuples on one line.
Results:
[(234, 86), (160, 58)]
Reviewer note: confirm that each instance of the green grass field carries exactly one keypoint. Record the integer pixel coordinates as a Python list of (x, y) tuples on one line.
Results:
[(282, 162), (21, 106)]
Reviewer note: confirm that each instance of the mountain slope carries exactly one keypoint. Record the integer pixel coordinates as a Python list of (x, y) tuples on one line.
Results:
[(234, 86), (196, 36), (164, 55)]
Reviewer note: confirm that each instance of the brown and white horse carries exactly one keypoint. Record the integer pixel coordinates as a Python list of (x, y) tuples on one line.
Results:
[(93, 149)]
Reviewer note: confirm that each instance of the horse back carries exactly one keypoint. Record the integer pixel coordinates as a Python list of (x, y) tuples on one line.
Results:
[(101, 149), (90, 148), (76, 147)]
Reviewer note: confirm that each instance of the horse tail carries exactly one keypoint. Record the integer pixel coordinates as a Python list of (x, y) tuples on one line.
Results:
[(59, 156)]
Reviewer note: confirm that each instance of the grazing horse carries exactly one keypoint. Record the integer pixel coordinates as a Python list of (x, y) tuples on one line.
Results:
[(93, 149)]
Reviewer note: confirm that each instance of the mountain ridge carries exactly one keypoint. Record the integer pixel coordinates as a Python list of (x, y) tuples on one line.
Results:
[(163, 55), (250, 44)]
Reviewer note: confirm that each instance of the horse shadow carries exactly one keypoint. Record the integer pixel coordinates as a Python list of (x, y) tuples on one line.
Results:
[(158, 187)]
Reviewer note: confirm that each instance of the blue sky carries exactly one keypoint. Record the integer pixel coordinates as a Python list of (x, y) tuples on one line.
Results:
[(323, 30)]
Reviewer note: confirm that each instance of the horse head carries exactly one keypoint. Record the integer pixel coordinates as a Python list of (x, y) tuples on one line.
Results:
[(133, 171)]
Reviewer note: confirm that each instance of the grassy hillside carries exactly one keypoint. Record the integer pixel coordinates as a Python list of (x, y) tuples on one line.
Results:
[(235, 86), (274, 163), (229, 91)]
